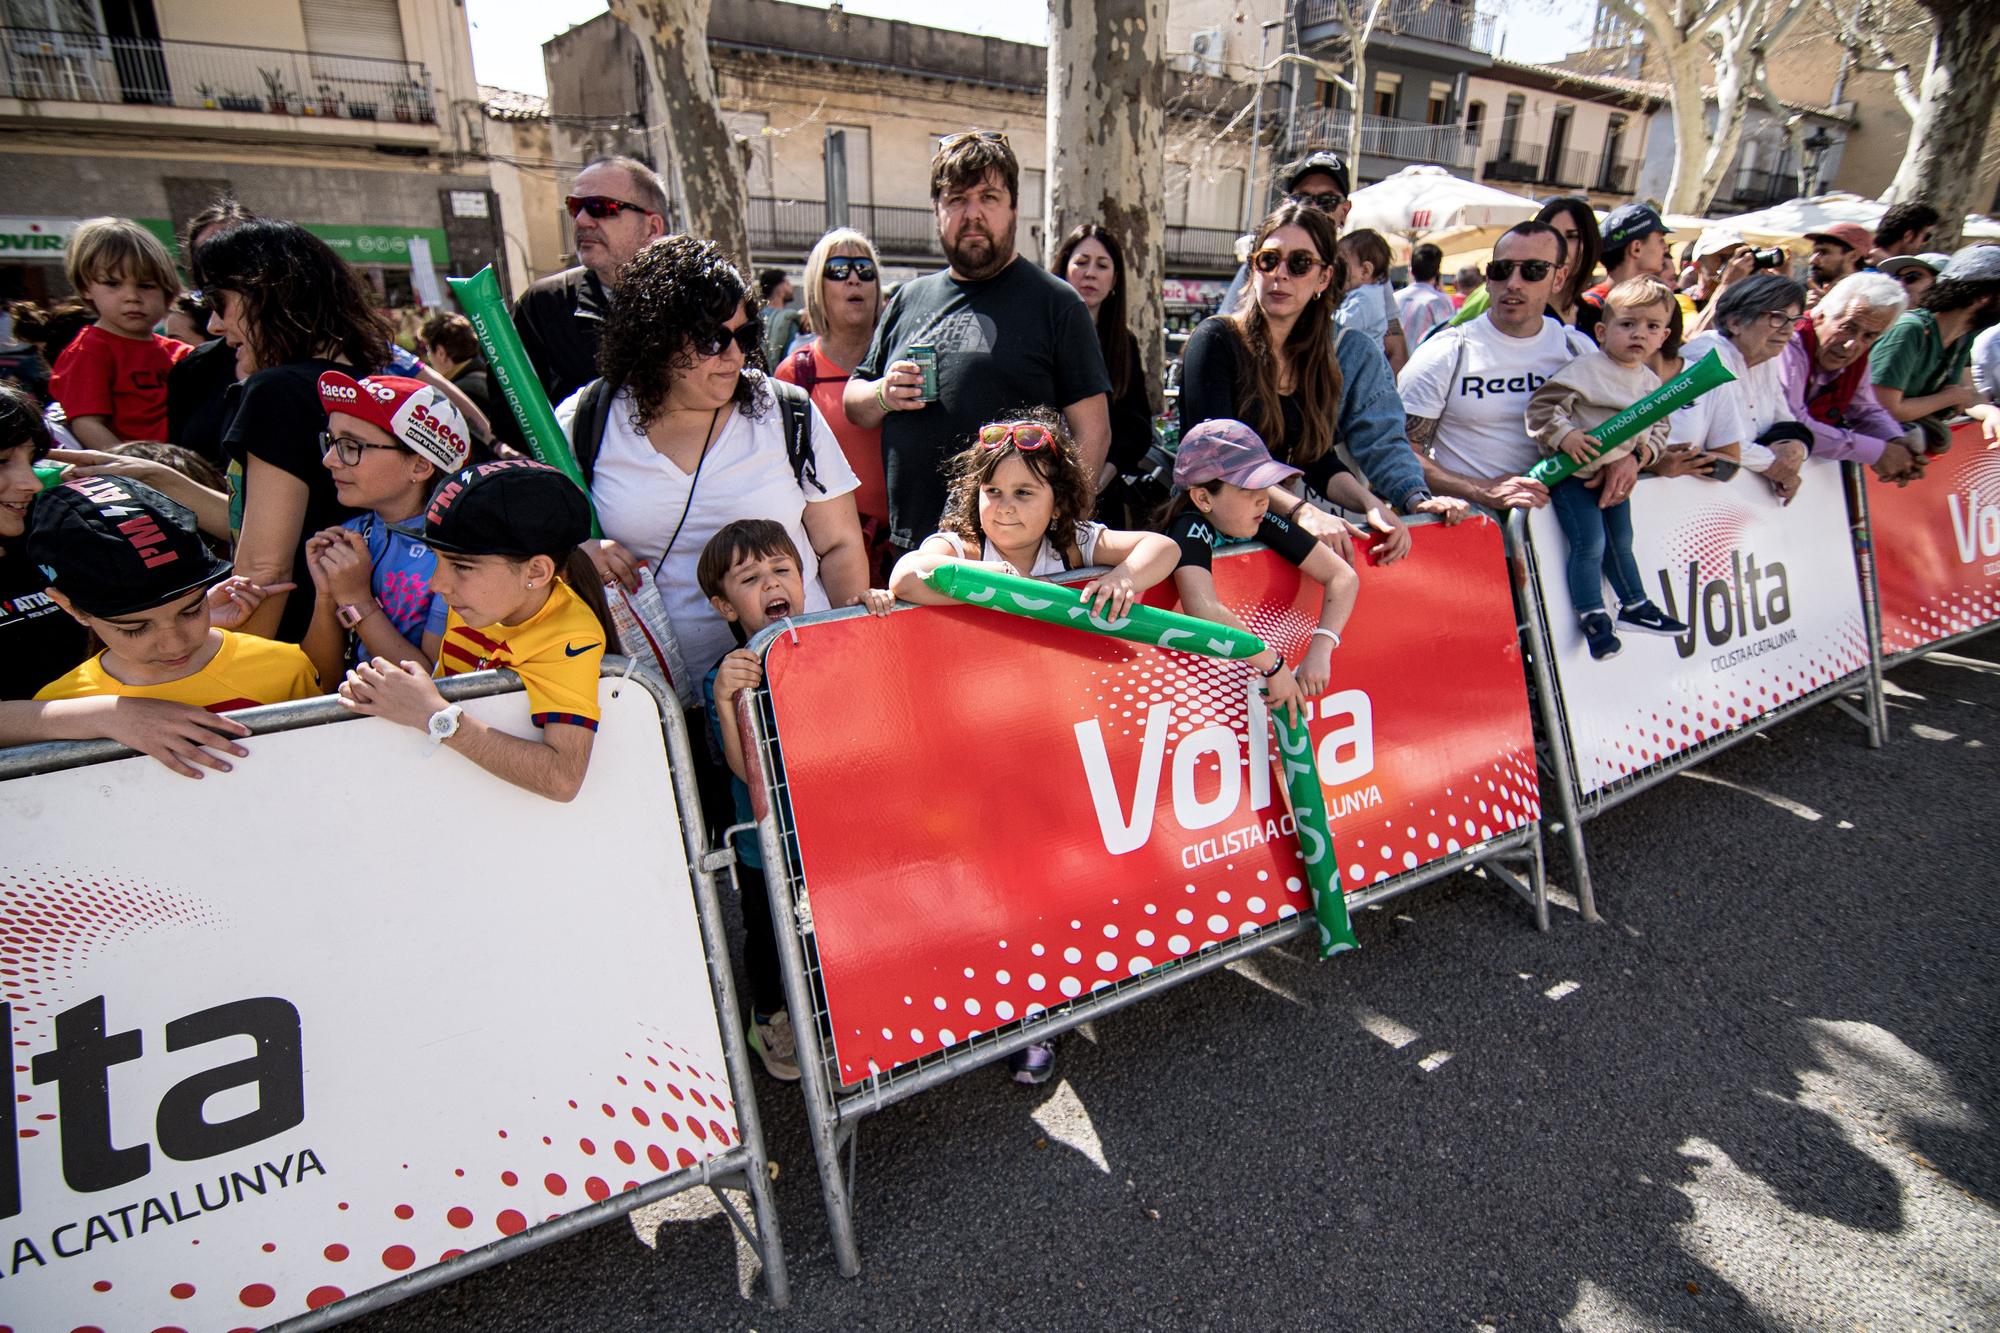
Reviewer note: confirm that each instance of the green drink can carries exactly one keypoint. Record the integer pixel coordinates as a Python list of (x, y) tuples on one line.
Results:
[(925, 355)]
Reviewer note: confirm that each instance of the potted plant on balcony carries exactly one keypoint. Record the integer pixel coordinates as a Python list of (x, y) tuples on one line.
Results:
[(232, 100), (361, 110), (207, 95), (399, 102), (277, 96)]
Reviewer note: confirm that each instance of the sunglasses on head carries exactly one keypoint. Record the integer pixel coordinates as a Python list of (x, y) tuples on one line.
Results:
[(745, 335), (1534, 270), (953, 140), (840, 266), (1324, 200), (1298, 263), (600, 206), (1026, 436)]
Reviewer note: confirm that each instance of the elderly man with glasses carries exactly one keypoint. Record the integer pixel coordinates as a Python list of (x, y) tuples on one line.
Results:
[(1824, 370), (618, 205)]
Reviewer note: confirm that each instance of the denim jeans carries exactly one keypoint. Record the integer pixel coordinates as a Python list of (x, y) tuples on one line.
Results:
[(1600, 547)]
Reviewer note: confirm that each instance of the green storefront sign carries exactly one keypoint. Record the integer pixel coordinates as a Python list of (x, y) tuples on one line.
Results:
[(46, 238)]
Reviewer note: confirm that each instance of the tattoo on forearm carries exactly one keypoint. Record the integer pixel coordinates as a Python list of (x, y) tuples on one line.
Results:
[(1421, 432)]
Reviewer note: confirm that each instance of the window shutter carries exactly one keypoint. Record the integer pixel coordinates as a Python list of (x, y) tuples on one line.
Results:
[(371, 28)]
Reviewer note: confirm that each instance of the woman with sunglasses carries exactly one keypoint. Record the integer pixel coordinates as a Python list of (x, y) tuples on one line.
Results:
[(1091, 260), (695, 438), (843, 303), (1276, 365)]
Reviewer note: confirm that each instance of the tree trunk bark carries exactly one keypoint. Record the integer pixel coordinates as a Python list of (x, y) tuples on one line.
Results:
[(1107, 145), (1960, 86), (682, 105)]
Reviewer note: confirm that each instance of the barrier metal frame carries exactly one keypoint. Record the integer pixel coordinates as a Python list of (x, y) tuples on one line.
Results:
[(834, 1110), (744, 1167), (1555, 756)]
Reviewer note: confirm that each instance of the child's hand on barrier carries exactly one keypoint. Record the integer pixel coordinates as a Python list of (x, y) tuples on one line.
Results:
[(235, 600), (179, 736), (403, 693), (1282, 691), (1110, 596), (1315, 671), (879, 601), (1579, 447), (741, 670)]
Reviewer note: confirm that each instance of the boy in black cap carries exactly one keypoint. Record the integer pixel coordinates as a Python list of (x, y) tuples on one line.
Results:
[(130, 565), (524, 597), (1635, 246)]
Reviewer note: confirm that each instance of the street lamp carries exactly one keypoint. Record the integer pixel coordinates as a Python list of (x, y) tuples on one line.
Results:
[(1816, 145)]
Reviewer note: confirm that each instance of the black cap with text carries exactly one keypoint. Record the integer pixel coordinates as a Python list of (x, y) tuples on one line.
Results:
[(114, 547), (515, 507)]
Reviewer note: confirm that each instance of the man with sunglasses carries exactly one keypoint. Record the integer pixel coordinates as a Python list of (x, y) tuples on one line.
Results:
[(618, 205), (1007, 335), (1466, 390)]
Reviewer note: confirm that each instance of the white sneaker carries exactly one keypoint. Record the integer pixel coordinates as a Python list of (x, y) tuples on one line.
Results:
[(772, 1039)]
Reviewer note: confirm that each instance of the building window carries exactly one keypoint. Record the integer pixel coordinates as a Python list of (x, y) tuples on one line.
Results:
[(1388, 88), (1437, 109), (1475, 122), (372, 29), (1326, 95), (1510, 125)]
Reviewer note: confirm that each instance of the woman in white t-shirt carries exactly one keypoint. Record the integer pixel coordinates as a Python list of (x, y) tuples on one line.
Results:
[(1704, 438), (695, 438)]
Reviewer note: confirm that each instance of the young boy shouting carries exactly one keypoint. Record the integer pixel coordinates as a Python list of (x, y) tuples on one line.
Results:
[(112, 379), (751, 574), (130, 565), (1576, 399), (388, 442)]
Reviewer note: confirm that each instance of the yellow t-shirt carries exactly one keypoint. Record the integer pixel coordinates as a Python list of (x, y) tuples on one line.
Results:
[(245, 672), (556, 653)]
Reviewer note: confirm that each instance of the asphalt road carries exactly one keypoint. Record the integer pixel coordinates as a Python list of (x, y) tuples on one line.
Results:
[(1763, 1095)]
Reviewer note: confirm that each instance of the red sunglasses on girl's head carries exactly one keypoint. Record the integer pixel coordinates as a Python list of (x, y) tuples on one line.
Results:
[(1027, 436)]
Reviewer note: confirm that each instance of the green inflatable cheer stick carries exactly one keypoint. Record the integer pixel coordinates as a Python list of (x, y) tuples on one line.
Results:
[(1308, 801), (1057, 605), (1705, 374), (487, 309)]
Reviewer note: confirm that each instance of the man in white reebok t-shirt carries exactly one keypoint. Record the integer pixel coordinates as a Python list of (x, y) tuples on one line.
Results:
[(1465, 392)]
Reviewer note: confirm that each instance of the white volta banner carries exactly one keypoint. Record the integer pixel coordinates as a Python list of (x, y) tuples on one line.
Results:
[(285, 1034), (1768, 592)]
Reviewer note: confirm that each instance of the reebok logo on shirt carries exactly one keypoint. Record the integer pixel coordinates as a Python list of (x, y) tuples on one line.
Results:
[(1474, 386)]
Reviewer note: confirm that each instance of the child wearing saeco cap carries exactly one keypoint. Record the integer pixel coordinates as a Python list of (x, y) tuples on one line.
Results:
[(523, 596), (131, 566), (388, 439)]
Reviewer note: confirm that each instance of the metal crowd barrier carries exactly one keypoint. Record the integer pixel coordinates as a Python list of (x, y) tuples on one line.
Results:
[(744, 1166), (1575, 802), (835, 1108)]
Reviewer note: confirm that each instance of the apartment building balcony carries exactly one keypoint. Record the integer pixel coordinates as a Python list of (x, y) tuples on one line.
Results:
[(1747, 189), (1441, 29), (1400, 141), (1566, 169), (82, 77)]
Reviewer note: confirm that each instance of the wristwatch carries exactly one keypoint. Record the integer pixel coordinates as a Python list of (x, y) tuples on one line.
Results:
[(443, 724), (352, 614)]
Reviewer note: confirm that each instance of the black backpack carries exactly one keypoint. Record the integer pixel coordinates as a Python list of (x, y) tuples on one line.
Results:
[(593, 412)]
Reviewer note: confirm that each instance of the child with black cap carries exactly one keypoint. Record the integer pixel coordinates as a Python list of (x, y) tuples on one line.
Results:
[(523, 596), (388, 439), (130, 565)]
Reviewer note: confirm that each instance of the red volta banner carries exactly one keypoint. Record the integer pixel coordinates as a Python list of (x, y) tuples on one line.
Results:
[(996, 816), (1937, 546)]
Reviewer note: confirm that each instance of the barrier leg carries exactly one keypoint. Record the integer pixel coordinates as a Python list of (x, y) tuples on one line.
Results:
[(1535, 644), (791, 919), (715, 942), (1522, 871), (1874, 713)]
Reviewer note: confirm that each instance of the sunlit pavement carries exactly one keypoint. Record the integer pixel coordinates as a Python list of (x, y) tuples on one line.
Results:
[(1763, 1095)]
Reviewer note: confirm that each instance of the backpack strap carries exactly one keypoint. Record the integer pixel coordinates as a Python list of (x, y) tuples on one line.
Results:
[(795, 410), (586, 428)]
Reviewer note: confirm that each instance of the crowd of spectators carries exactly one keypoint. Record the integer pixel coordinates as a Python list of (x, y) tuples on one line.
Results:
[(247, 492)]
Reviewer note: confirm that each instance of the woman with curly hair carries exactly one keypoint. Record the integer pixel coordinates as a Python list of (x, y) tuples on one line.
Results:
[(1276, 365), (291, 310), (694, 437)]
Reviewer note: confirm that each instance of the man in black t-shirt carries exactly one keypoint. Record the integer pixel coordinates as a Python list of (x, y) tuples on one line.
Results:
[(1008, 336)]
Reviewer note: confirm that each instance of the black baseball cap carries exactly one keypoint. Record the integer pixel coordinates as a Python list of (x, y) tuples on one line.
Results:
[(115, 546), (1321, 161), (1631, 222), (515, 507)]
